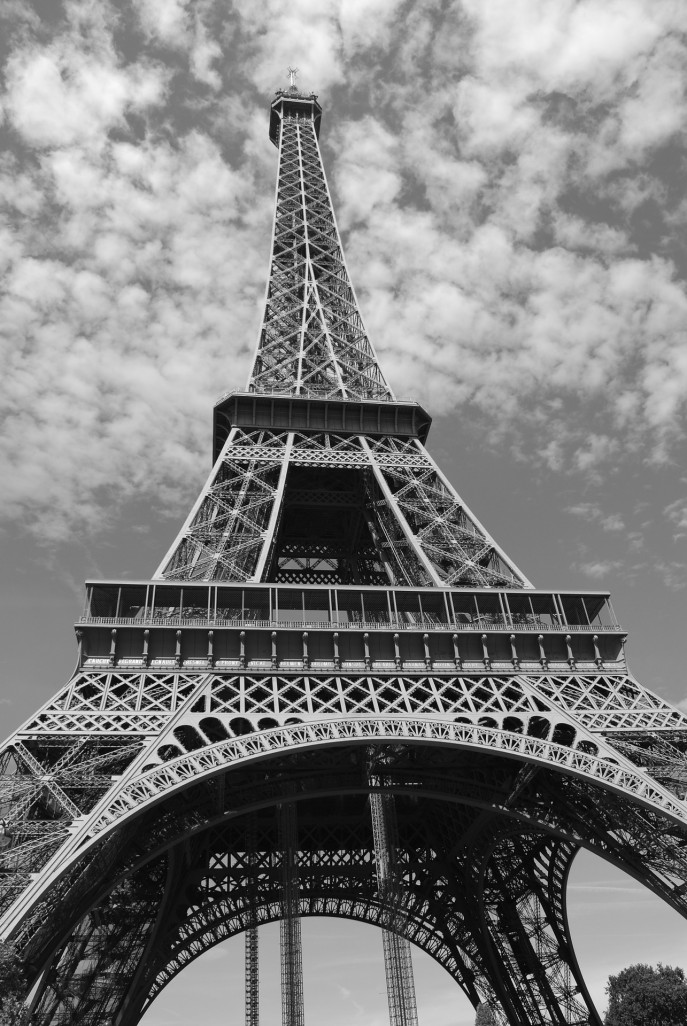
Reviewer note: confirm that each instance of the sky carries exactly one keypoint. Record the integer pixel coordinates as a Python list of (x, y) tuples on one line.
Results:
[(508, 180)]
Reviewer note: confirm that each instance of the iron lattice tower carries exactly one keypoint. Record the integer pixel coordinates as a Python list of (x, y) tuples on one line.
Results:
[(332, 623)]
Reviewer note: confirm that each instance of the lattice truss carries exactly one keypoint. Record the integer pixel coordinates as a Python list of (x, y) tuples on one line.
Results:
[(313, 341), (142, 703), (317, 507), (311, 506)]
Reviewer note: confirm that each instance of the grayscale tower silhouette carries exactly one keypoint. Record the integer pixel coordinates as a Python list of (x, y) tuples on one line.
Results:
[(337, 696)]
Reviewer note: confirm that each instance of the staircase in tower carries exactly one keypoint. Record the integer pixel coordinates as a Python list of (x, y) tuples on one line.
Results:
[(336, 696)]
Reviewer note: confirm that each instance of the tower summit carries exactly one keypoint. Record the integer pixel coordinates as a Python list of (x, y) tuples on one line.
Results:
[(337, 695), (313, 341)]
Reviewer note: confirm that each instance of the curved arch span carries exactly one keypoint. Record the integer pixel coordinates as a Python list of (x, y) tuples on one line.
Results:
[(156, 783), (485, 813), (139, 790), (371, 914)]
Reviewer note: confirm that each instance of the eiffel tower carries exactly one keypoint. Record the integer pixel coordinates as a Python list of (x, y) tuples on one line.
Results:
[(337, 696)]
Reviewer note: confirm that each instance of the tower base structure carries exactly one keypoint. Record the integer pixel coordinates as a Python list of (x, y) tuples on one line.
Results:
[(142, 803)]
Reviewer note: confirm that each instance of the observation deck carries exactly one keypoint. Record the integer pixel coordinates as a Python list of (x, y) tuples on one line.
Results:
[(292, 104), (282, 412), (346, 628)]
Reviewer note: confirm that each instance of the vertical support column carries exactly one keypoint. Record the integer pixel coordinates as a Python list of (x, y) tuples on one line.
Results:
[(398, 963), (292, 1013), (252, 963)]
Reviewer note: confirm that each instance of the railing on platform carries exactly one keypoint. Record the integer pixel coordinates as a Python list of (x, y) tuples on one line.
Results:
[(356, 625)]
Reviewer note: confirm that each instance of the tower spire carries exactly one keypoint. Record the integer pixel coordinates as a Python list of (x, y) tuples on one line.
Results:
[(313, 341)]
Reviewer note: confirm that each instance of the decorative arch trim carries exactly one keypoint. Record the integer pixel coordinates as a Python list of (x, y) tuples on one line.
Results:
[(371, 913), (159, 782), (134, 795)]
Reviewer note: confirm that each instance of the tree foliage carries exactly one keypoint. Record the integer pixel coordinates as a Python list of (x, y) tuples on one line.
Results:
[(12, 1012), (642, 995), (485, 1016), (12, 988)]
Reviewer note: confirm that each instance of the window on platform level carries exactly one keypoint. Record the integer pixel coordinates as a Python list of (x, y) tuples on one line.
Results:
[(599, 610), (132, 601), (289, 606), (375, 607), (256, 604), (316, 606), (166, 603), (433, 608), (408, 607), (195, 605), (350, 607), (574, 610), (103, 600), (230, 603), (464, 607), (489, 609), (545, 611)]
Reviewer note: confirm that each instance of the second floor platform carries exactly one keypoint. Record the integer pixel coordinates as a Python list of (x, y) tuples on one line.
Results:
[(380, 629)]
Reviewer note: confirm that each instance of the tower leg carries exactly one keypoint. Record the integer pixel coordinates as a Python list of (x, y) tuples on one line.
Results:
[(290, 925), (518, 881)]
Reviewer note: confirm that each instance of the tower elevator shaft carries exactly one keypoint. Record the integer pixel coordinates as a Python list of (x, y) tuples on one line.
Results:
[(290, 923), (398, 964), (251, 950)]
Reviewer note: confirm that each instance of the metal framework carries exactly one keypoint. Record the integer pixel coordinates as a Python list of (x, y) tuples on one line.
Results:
[(290, 924), (398, 963), (251, 946), (332, 640)]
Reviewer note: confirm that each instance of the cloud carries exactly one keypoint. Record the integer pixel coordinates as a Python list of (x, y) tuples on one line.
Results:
[(305, 34), (520, 274), (600, 569), (674, 574), (676, 513), (204, 53), (585, 510), (613, 523), (115, 304), (167, 21), (504, 176), (590, 511), (59, 95)]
